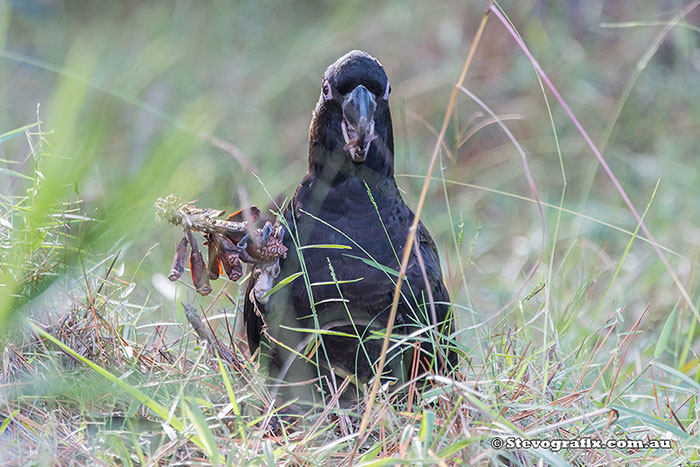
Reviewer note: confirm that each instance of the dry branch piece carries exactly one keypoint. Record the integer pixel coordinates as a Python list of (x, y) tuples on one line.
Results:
[(178, 212), (205, 334), (229, 242)]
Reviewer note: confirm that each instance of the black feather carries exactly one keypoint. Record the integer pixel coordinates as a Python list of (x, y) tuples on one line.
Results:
[(356, 205)]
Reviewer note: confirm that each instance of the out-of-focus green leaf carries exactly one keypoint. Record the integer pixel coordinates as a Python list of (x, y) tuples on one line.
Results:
[(205, 434), (662, 343), (152, 404)]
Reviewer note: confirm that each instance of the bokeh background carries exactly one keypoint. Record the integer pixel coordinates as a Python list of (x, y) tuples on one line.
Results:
[(212, 101), (133, 93)]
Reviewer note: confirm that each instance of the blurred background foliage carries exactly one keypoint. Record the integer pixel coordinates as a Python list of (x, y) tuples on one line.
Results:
[(106, 106), (140, 99)]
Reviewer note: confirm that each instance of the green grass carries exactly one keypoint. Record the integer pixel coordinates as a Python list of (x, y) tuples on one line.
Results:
[(107, 108)]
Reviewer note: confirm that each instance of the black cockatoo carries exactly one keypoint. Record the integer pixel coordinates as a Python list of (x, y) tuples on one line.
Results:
[(346, 227)]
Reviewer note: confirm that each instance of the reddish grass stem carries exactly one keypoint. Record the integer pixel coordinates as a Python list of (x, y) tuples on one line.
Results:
[(411, 238)]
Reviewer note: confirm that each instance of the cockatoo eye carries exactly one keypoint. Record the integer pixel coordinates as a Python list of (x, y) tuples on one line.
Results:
[(327, 91)]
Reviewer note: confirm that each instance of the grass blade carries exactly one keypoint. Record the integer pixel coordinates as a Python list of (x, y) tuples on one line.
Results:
[(152, 404)]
